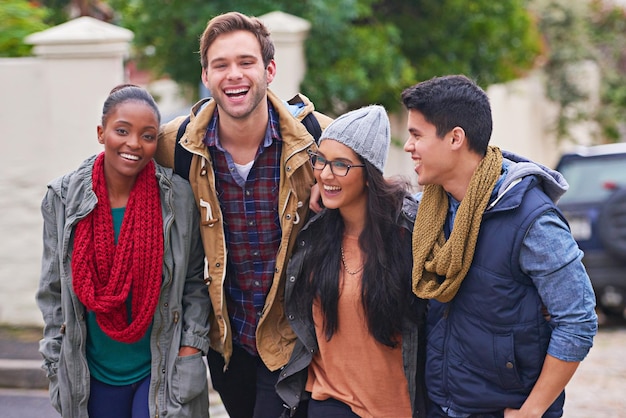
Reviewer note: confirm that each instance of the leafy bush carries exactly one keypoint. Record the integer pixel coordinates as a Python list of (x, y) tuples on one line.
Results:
[(358, 51), (18, 19), (594, 32)]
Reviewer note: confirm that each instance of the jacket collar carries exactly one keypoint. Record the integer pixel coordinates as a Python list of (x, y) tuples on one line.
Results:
[(294, 134), (75, 189)]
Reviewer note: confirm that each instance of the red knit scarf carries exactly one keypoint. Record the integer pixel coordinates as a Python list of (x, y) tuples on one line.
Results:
[(104, 274)]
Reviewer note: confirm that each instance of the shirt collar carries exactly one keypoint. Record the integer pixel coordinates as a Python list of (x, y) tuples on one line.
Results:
[(211, 138)]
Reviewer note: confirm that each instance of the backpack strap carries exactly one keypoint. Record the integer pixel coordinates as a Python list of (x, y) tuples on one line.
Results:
[(312, 125), (182, 157), (310, 122)]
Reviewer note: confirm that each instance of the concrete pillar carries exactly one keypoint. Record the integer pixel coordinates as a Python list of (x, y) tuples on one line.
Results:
[(82, 60), (50, 107), (288, 33)]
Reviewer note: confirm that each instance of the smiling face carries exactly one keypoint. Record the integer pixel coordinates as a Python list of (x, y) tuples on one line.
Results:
[(129, 136), (347, 193), (236, 76), (434, 161)]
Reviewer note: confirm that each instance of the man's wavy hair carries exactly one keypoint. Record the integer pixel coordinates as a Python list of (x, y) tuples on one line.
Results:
[(232, 22)]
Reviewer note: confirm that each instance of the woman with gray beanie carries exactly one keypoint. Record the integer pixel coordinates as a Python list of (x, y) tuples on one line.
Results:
[(359, 348)]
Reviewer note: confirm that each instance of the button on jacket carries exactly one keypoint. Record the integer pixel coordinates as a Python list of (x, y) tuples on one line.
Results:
[(274, 336)]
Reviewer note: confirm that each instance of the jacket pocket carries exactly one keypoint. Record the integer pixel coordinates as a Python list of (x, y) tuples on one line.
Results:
[(53, 392), (190, 378), (505, 362)]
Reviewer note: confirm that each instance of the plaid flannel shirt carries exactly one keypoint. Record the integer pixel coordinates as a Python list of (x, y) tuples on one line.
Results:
[(251, 226)]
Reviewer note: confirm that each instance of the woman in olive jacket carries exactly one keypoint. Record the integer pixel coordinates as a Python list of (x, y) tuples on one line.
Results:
[(165, 355)]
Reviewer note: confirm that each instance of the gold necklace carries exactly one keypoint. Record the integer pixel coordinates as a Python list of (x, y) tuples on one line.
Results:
[(345, 266)]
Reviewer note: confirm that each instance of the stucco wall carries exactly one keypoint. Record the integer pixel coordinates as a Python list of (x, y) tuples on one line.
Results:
[(49, 109)]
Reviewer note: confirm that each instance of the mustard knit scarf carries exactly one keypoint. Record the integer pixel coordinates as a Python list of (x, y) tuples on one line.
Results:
[(433, 256)]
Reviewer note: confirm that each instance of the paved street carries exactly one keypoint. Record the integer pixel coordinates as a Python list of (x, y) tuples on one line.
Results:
[(598, 390), (24, 403)]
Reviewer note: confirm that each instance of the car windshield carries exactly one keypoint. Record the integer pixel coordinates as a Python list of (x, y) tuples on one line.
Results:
[(593, 179)]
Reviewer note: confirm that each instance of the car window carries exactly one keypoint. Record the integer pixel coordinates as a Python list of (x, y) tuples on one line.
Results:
[(593, 179)]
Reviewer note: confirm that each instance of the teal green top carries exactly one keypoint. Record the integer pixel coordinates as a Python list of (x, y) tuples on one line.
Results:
[(113, 362)]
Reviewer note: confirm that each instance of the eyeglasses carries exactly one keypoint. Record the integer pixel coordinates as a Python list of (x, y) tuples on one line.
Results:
[(338, 168)]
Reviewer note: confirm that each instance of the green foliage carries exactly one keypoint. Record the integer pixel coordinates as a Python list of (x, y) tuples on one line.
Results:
[(489, 41), (358, 51), (608, 35), (18, 19), (353, 58), (367, 51), (57, 11), (166, 35), (566, 33), (585, 32)]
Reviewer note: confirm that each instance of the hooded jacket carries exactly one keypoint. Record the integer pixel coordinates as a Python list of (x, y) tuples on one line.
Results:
[(178, 385), (487, 346), (274, 337)]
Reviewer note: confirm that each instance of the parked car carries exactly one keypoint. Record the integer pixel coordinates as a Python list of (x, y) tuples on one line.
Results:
[(595, 208)]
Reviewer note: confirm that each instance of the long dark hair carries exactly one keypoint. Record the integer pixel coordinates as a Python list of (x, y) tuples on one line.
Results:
[(386, 279)]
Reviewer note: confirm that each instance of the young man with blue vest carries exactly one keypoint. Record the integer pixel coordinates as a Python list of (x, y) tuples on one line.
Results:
[(511, 310)]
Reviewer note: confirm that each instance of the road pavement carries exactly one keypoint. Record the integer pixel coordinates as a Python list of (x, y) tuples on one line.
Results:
[(597, 390)]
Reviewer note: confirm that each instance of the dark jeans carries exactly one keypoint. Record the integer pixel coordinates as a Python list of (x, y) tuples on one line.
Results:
[(128, 401), (435, 411), (247, 387), (330, 408)]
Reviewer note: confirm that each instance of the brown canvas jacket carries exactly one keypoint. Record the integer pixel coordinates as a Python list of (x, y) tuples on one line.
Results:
[(275, 339)]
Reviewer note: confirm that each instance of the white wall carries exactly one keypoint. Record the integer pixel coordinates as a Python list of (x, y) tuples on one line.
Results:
[(49, 109)]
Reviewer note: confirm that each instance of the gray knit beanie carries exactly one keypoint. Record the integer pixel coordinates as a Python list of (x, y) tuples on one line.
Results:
[(366, 131)]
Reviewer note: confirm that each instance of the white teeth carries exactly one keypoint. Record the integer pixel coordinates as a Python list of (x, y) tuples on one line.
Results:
[(129, 156), (237, 91), (331, 188)]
